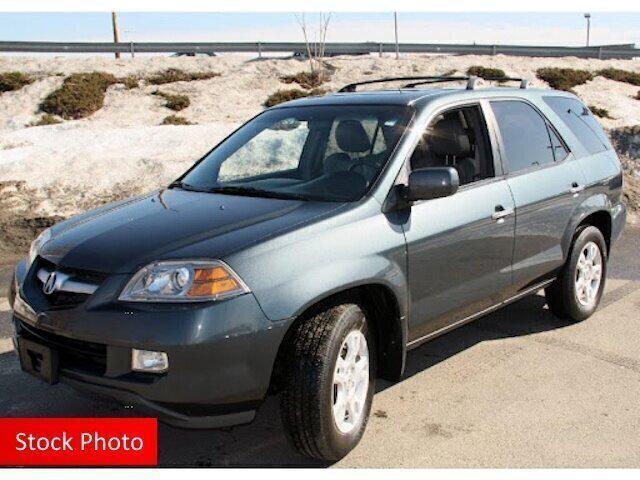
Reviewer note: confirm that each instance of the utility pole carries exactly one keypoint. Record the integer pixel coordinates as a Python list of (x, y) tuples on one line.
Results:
[(116, 33), (588, 17), (395, 22)]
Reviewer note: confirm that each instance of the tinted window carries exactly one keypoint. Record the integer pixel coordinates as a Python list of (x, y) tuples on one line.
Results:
[(524, 135), (581, 122)]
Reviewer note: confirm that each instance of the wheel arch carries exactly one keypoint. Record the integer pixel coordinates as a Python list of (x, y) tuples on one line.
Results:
[(594, 210), (601, 219), (382, 307)]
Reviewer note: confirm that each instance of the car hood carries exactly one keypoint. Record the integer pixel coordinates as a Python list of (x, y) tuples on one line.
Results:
[(172, 223)]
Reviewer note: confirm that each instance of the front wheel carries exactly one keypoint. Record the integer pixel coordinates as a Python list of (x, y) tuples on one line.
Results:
[(577, 291), (329, 382)]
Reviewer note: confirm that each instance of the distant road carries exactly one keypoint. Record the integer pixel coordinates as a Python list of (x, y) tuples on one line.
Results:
[(331, 48)]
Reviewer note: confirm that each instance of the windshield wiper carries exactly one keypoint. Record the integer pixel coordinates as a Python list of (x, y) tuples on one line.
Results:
[(184, 186), (256, 192)]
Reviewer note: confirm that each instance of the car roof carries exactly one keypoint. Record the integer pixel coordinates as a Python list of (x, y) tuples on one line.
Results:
[(417, 96)]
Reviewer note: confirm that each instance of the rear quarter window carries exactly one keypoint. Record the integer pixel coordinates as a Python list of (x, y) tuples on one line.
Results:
[(581, 122)]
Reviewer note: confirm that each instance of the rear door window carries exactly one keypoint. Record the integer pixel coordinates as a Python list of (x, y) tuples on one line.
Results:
[(581, 122), (524, 135)]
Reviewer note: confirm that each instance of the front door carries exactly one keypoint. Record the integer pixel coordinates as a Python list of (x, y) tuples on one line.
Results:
[(459, 247)]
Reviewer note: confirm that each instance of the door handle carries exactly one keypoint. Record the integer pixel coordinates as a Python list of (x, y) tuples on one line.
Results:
[(576, 189), (500, 213)]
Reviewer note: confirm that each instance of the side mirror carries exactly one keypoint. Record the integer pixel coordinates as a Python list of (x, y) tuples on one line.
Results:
[(432, 182)]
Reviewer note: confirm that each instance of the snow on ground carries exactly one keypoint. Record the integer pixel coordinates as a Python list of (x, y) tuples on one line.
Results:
[(83, 163), (121, 150)]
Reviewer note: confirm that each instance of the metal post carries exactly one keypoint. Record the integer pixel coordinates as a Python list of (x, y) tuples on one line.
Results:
[(259, 49), (380, 50), (133, 55), (395, 22), (116, 33), (588, 17)]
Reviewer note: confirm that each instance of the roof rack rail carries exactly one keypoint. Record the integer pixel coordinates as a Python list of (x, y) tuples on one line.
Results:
[(472, 82), (475, 82), (352, 86)]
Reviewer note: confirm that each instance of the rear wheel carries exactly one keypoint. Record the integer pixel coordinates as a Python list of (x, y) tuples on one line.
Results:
[(577, 291), (329, 382)]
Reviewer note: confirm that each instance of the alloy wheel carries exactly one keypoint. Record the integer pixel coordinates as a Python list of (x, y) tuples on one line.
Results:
[(351, 382), (588, 274)]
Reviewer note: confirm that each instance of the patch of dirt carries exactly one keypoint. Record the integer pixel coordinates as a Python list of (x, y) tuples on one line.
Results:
[(17, 224), (18, 233)]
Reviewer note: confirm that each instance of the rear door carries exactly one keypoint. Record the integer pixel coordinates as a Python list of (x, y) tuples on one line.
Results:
[(545, 181)]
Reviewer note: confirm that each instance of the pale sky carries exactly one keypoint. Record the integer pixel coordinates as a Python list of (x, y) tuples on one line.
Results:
[(500, 28)]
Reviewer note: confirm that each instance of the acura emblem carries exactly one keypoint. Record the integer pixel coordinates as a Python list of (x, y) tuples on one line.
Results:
[(50, 285)]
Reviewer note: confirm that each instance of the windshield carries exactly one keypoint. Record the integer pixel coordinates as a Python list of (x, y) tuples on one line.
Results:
[(327, 153)]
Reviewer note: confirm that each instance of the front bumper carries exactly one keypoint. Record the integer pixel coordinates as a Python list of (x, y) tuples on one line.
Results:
[(221, 355)]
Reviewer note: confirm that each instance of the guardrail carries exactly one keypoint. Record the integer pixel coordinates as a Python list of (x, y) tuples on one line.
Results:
[(331, 49)]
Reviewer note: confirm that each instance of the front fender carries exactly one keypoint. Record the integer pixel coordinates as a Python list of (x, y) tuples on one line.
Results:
[(288, 275), (288, 297)]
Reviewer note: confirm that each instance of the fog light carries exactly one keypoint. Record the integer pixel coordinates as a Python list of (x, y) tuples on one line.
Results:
[(148, 361)]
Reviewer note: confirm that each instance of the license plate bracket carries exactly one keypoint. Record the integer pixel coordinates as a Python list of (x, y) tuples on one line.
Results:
[(38, 360)]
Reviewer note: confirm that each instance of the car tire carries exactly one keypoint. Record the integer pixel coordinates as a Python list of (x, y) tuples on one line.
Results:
[(325, 406), (576, 292)]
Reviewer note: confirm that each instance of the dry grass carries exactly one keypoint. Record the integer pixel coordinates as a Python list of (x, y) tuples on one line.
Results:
[(306, 79), (46, 119), (281, 96), (130, 81), (11, 81), (486, 73), (175, 120), (174, 102), (80, 95), (172, 75), (620, 75), (600, 112), (564, 78)]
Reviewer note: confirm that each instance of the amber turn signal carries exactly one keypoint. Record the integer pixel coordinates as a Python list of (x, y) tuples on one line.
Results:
[(209, 282)]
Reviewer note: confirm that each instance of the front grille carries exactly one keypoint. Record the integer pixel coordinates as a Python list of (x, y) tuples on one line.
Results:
[(65, 297), (73, 354)]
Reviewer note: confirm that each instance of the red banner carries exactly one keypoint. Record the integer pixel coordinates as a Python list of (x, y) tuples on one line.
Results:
[(78, 441)]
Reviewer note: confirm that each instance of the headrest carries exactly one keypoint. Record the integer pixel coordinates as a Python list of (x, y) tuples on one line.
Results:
[(351, 137), (447, 137)]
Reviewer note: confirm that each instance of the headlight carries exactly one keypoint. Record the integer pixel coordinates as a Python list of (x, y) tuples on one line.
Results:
[(37, 244), (183, 281)]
